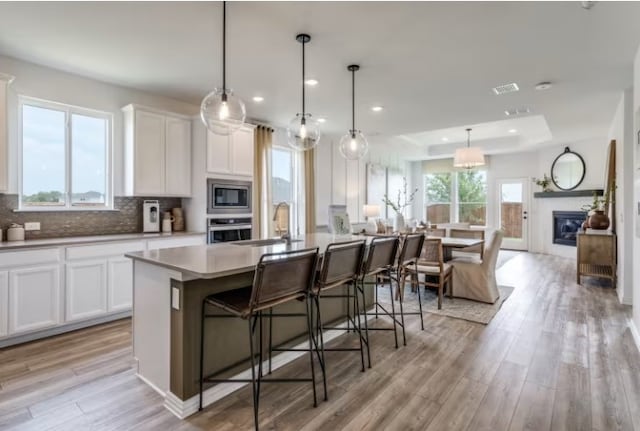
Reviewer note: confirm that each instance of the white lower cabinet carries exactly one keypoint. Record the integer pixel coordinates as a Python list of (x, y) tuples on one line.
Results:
[(86, 289), (4, 303), (34, 298), (120, 283)]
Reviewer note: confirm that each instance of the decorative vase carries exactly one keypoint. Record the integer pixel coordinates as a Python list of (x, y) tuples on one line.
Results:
[(599, 220), (398, 223)]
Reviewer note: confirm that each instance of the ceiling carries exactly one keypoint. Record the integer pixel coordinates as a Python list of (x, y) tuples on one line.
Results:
[(432, 65)]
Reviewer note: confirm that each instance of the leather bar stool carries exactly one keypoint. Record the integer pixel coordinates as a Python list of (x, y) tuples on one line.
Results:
[(279, 278), (408, 263), (341, 266), (379, 264)]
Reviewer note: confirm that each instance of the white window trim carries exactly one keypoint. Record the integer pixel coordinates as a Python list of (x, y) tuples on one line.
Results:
[(297, 197), (69, 110)]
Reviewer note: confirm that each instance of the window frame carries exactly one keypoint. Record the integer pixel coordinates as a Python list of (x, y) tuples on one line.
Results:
[(454, 204), (68, 110), (297, 187)]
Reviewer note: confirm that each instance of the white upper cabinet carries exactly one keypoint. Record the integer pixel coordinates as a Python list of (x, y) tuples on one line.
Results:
[(231, 155), (157, 153), (5, 80)]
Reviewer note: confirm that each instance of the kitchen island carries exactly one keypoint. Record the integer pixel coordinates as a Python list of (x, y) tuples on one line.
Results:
[(169, 286)]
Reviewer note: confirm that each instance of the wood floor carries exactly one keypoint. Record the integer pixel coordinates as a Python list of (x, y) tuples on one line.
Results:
[(557, 356)]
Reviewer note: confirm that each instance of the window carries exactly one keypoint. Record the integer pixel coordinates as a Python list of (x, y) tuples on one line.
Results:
[(286, 187), (456, 197), (66, 155)]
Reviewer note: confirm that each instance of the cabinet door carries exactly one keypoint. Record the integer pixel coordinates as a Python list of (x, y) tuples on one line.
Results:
[(4, 303), (178, 157), (218, 154), (86, 292), (242, 152), (34, 298), (149, 154), (120, 287)]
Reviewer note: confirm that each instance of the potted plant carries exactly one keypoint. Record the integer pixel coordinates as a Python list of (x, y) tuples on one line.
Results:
[(596, 216), (404, 199), (544, 182)]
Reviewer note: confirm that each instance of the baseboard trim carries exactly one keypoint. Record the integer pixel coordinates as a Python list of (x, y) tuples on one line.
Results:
[(635, 333), (154, 387), (61, 329), (185, 408)]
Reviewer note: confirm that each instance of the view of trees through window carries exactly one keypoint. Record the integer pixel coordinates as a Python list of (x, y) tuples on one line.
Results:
[(456, 197)]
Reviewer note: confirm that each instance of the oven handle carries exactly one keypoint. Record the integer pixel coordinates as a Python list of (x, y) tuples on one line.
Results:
[(229, 227)]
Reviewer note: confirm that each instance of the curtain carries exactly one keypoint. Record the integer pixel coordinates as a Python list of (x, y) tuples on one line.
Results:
[(309, 191), (262, 181)]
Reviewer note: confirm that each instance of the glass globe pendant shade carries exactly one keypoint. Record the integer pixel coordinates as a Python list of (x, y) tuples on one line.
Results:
[(303, 133), (222, 112), (353, 145)]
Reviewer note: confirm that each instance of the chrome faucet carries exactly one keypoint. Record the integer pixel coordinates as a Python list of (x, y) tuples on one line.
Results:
[(287, 235)]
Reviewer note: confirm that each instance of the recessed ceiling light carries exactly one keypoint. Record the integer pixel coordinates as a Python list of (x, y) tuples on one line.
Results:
[(377, 108), (543, 85), (513, 131), (445, 139), (311, 82), (258, 99), (506, 88), (517, 111), (322, 120)]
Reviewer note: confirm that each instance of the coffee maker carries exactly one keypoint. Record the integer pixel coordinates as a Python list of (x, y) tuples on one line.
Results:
[(151, 216)]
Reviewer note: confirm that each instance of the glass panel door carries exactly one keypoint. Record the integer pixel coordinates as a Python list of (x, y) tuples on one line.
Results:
[(513, 213)]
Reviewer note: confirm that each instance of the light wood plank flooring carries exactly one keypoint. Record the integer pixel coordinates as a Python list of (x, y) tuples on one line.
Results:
[(557, 356)]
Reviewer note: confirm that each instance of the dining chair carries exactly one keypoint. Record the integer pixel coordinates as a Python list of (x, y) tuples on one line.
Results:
[(434, 231), (471, 234), (432, 265), (476, 279)]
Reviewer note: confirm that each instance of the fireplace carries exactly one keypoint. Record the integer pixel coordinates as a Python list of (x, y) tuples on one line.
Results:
[(566, 225)]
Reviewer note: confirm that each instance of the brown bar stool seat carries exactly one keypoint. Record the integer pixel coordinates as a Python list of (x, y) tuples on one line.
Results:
[(341, 266), (279, 278), (378, 265)]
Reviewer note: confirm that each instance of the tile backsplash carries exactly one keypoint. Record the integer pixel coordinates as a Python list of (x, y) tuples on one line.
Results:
[(126, 218)]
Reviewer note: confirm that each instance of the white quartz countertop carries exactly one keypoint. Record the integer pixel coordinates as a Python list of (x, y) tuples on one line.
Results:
[(219, 260), (76, 240)]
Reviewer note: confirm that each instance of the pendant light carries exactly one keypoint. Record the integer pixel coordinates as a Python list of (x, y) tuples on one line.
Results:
[(353, 145), (469, 157), (303, 132), (221, 111)]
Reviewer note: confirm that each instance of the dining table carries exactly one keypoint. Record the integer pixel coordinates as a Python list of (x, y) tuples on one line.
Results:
[(449, 244)]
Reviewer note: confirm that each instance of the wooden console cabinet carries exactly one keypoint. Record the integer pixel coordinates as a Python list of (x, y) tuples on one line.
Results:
[(597, 256)]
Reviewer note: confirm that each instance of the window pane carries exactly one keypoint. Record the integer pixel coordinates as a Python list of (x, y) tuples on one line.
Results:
[(43, 156), (281, 184), (88, 160), (438, 197), (472, 197)]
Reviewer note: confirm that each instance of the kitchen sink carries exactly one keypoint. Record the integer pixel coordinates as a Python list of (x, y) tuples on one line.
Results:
[(264, 242)]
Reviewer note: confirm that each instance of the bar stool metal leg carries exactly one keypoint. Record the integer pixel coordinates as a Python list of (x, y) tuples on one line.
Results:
[(404, 337), (310, 333), (366, 325), (357, 313), (202, 318), (419, 300), (253, 372), (321, 338)]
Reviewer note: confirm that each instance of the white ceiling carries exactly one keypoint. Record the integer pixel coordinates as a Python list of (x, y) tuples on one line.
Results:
[(430, 64)]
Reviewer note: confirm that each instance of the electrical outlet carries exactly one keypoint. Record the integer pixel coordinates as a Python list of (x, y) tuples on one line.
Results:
[(34, 225)]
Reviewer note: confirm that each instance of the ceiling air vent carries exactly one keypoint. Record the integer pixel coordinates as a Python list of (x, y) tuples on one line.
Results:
[(517, 111), (506, 88)]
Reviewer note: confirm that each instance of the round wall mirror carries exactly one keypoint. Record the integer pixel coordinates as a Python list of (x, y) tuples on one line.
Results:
[(568, 169)]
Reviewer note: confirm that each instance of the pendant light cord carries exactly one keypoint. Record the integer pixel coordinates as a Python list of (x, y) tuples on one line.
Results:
[(224, 47), (303, 107), (353, 103)]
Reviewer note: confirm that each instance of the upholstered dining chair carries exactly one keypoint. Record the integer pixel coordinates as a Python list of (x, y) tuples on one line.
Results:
[(434, 231), (476, 279), (431, 264)]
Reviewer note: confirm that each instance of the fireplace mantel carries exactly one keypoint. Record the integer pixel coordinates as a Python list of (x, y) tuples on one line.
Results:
[(569, 193)]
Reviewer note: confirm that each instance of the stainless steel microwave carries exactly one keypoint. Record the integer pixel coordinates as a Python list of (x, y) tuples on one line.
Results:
[(228, 196)]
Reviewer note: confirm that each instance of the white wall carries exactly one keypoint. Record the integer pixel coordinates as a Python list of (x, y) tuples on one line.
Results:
[(634, 235), (54, 85)]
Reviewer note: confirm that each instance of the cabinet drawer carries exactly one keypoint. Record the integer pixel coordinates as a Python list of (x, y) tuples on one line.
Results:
[(176, 242), (29, 257), (103, 250)]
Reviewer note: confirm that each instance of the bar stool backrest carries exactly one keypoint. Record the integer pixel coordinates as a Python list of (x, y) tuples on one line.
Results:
[(382, 255), (411, 249), (432, 253), (281, 277), (341, 263)]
